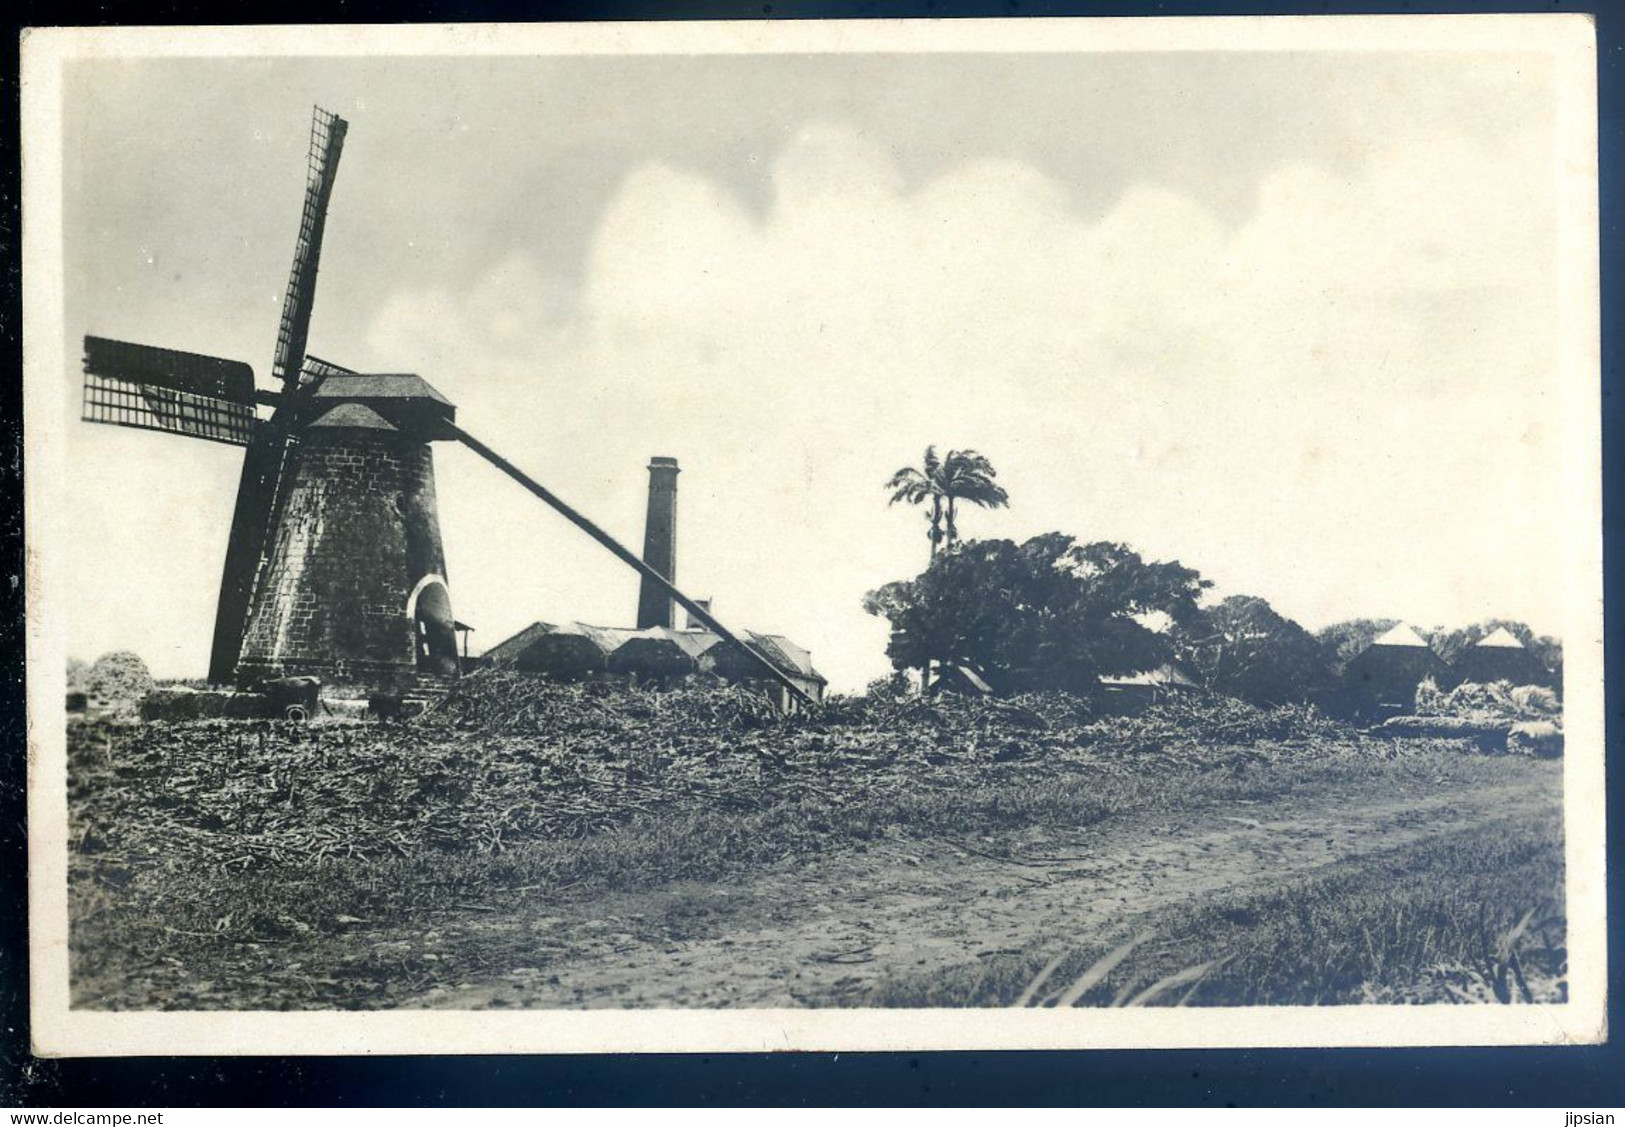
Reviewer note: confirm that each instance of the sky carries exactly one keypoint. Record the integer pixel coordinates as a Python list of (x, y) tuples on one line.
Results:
[(1288, 318)]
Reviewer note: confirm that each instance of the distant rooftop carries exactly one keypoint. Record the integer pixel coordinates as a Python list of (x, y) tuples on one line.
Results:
[(510, 648), (1400, 635), (787, 655), (1502, 639)]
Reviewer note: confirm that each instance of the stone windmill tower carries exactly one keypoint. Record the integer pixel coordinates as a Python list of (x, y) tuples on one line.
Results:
[(353, 584), (334, 565)]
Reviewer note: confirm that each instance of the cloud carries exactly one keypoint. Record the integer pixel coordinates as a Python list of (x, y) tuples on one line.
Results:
[(1334, 404)]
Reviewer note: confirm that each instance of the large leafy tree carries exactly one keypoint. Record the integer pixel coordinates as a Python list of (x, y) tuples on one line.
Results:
[(1048, 613), (1244, 648), (941, 484)]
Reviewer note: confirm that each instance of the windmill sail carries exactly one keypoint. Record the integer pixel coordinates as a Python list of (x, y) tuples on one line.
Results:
[(315, 369), (137, 385), (259, 489), (321, 166)]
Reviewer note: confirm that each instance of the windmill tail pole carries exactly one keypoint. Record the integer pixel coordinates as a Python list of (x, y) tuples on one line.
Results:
[(617, 549)]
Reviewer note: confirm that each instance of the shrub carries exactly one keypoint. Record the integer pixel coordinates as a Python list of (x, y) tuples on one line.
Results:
[(1536, 700), (118, 681), (894, 684), (1539, 738), (1498, 701), (1429, 699)]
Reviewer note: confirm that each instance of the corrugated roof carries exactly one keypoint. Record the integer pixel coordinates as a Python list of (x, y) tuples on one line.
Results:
[(1502, 639), (785, 654), (793, 659), (775, 647), (656, 634), (380, 385), (606, 638), (353, 416), (693, 642), (1400, 635), (655, 649), (512, 647)]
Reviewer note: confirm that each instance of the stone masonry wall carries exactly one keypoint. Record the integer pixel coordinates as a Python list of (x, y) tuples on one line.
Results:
[(357, 532)]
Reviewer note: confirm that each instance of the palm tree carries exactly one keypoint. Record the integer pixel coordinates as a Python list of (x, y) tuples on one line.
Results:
[(916, 487), (968, 476), (964, 475)]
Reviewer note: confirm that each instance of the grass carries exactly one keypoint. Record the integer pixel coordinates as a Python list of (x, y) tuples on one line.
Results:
[(1475, 916), (694, 843)]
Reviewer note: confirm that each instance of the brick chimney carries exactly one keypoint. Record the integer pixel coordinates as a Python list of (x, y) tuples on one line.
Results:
[(659, 542)]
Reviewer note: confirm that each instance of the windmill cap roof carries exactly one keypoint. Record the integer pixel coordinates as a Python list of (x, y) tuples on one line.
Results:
[(353, 416), (385, 385), (1502, 638), (1400, 635)]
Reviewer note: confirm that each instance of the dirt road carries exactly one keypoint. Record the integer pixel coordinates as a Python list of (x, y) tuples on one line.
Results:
[(821, 932)]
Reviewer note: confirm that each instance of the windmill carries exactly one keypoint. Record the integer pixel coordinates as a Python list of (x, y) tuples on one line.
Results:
[(334, 564)]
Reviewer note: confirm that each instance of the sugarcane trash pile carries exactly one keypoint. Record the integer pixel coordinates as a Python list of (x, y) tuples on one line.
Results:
[(1494, 702), (508, 758), (1498, 717)]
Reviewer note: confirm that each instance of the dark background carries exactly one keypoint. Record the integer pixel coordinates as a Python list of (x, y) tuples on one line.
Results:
[(1569, 1077)]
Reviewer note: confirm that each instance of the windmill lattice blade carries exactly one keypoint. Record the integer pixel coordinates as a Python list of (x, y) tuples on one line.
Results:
[(137, 385), (315, 368), (189, 372), (326, 144)]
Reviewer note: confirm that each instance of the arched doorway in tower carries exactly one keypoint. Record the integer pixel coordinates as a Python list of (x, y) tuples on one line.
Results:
[(434, 631)]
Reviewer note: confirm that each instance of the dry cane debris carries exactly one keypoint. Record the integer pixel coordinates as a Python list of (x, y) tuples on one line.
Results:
[(508, 758)]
